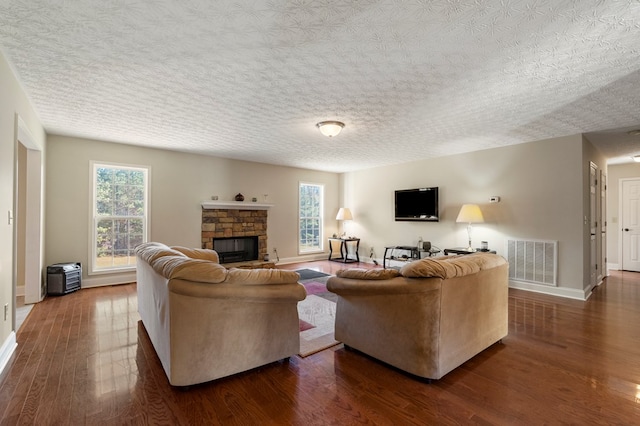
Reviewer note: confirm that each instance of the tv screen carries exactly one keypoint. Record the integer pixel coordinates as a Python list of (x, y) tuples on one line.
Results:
[(419, 204)]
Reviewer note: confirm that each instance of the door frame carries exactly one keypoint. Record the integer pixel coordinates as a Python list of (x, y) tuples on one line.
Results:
[(28, 192), (594, 220)]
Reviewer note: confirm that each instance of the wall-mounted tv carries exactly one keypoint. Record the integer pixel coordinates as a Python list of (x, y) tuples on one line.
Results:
[(419, 204)]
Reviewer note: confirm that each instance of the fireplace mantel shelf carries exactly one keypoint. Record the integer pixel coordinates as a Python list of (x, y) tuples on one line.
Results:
[(235, 205)]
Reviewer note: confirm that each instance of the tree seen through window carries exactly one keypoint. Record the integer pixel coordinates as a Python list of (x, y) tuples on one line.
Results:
[(119, 215), (310, 225)]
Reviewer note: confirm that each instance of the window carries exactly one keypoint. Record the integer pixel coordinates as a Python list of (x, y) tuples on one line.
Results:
[(310, 225), (119, 215)]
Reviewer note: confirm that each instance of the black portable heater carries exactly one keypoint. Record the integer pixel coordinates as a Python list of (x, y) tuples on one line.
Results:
[(63, 278)]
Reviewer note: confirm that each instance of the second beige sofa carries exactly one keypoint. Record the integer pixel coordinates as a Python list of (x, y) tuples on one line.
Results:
[(429, 317)]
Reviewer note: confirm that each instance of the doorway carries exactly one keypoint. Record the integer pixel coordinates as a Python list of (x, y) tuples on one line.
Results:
[(593, 225), (597, 226), (630, 221), (27, 219)]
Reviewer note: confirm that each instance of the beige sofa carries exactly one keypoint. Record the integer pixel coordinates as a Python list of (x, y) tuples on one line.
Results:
[(206, 321), (427, 318)]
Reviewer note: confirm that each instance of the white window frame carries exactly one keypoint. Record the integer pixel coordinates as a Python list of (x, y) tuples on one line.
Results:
[(94, 269), (320, 247)]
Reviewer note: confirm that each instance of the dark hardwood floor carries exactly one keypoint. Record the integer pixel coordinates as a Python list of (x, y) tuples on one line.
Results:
[(85, 358)]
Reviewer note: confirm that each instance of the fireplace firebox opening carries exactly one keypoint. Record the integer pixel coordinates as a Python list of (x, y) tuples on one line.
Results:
[(236, 249)]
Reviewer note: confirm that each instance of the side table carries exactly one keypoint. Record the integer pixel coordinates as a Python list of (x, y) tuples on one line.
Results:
[(344, 250), (414, 253)]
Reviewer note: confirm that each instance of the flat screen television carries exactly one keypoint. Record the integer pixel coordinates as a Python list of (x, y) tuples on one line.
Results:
[(419, 204)]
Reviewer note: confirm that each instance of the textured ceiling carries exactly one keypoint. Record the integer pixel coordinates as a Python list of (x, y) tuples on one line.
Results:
[(411, 79)]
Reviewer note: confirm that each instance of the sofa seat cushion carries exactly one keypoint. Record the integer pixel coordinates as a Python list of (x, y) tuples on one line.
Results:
[(445, 267)]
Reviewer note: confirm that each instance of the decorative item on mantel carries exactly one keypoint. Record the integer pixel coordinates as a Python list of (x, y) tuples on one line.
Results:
[(239, 197)]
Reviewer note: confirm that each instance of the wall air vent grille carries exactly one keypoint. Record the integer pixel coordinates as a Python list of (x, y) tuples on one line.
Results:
[(533, 261)]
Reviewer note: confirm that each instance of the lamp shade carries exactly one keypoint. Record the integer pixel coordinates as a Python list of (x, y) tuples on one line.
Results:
[(470, 213), (344, 214), (330, 128)]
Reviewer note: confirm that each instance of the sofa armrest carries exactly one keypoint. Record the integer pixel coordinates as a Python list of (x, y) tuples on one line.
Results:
[(394, 286), (276, 293)]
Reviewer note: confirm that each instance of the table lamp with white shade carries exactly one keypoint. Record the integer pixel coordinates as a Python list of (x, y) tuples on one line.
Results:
[(344, 214), (470, 213)]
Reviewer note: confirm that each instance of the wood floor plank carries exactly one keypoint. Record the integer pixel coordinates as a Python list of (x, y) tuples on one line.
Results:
[(85, 358)]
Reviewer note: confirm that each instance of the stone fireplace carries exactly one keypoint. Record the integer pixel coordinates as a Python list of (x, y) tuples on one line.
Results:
[(234, 228)]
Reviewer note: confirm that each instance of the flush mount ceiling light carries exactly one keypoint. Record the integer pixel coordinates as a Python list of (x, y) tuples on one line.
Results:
[(330, 128), (634, 132), (636, 158)]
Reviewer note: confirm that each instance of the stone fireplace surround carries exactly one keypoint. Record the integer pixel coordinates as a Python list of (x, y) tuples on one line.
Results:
[(234, 219)]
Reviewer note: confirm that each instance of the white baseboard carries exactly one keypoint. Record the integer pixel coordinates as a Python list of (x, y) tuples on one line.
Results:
[(8, 348), (20, 290), (107, 280), (612, 267), (570, 293), (321, 256), (318, 256), (298, 259)]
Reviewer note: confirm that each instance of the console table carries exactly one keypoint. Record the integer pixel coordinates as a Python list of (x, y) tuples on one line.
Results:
[(407, 253), (463, 250), (344, 249)]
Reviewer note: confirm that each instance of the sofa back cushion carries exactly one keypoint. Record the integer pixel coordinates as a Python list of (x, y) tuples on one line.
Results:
[(195, 253), (450, 267), (200, 265), (152, 251), (261, 276), (184, 268), (368, 274)]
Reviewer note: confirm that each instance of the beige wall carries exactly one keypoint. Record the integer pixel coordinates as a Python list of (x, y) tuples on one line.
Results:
[(543, 188), (179, 183), (614, 174), (12, 101), (541, 185)]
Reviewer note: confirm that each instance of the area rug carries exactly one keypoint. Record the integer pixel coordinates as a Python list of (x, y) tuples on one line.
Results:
[(317, 315), (307, 274)]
